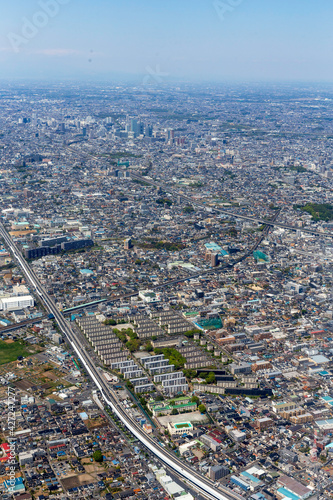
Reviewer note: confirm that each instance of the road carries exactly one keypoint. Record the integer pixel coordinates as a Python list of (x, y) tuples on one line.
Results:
[(174, 192), (272, 222), (22, 324), (214, 270), (199, 482)]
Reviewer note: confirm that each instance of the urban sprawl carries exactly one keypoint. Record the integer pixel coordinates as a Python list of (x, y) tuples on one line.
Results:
[(166, 312)]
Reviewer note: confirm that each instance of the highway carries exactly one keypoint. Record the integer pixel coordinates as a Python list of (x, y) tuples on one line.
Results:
[(203, 485)]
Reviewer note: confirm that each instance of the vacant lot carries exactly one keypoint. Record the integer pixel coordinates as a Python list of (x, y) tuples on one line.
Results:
[(24, 385), (93, 467), (75, 481), (51, 375), (97, 423), (10, 352)]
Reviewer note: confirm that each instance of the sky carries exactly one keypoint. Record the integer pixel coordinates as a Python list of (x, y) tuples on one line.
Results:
[(157, 41)]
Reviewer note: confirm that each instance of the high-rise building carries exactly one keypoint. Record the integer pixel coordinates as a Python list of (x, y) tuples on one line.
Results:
[(128, 244), (57, 339), (148, 131), (170, 134), (214, 259), (134, 127), (217, 472), (27, 193)]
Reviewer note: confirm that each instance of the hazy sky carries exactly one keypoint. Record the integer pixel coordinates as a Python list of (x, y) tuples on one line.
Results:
[(162, 40)]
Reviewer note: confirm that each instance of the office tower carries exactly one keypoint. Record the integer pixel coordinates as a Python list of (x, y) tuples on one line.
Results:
[(128, 244), (214, 259), (134, 127)]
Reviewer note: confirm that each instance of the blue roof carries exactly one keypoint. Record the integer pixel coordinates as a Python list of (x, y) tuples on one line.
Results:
[(288, 494), (249, 476), (213, 246), (86, 271), (3, 320), (18, 483)]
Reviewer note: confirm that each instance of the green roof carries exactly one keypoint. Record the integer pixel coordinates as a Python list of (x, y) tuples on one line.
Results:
[(181, 398), (171, 407)]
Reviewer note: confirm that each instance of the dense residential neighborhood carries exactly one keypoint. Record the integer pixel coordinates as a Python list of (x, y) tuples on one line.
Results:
[(185, 234)]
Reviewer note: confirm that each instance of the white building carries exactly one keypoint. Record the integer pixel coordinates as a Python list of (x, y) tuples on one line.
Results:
[(149, 296), (179, 428), (20, 290), (15, 303), (170, 486), (26, 457), (173, 489)]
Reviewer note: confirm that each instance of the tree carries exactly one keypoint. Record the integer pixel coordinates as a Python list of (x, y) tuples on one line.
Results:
[(174, 411), (111, 322), (189, 373), (164, 201), (210, 379), (195, 399), (174, 356), (202, 408), (133, 345), (148, 347), (130, 333), (190, 333), (97, 456)]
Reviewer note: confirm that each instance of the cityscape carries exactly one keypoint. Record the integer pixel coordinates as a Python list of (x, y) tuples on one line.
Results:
[(166, 279)]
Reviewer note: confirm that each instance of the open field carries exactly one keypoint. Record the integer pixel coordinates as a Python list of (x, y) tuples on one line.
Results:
[(96, 423), (51, 375), (74, 481), (93, 467), (34, 372), (24, 385), (10, 352)]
